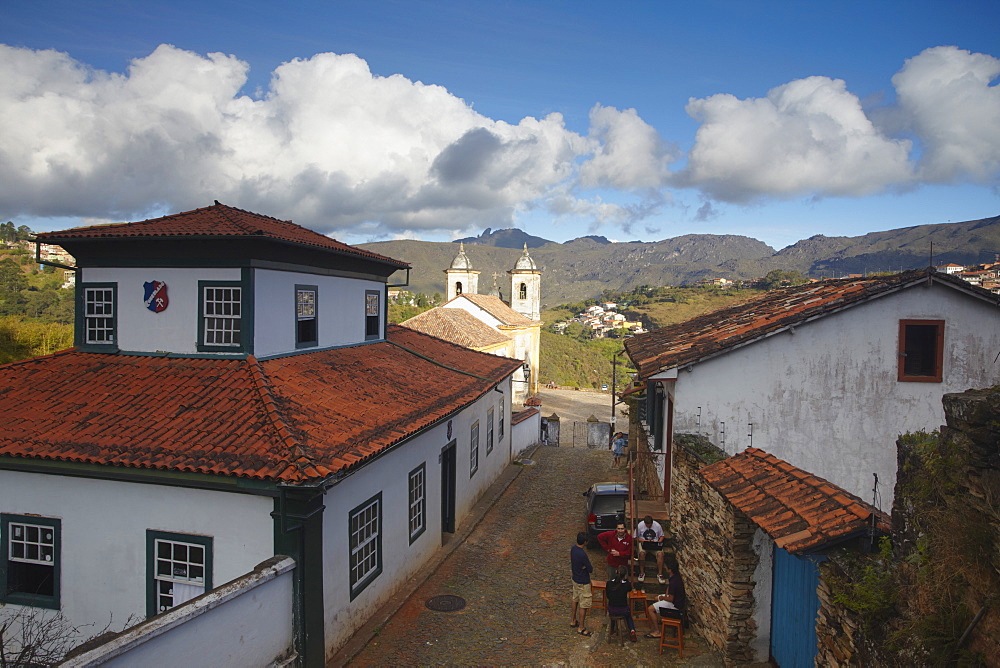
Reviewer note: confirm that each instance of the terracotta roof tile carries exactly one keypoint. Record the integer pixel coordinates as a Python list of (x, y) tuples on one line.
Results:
[(720, 331), (217, 220), (496, 308), (458, 326), (290, 419), (798, 510)]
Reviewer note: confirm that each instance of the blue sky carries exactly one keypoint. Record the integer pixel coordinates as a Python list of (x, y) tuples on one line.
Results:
[(633, 120)]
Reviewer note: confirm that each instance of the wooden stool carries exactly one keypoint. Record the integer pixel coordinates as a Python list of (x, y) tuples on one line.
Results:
[(675, 642), (617, 624), (598, 592), (637, 603)]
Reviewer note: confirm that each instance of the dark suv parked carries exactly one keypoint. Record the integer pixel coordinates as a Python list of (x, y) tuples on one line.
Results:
[(605, 507)]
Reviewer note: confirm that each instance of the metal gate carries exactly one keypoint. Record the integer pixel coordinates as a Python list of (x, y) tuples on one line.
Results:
[(794, 604)]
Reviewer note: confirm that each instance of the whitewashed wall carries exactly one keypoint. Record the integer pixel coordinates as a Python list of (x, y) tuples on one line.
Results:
[(253, 612), (389, 475), (526, 434), (341, 309), (825, 398), (174, 330), (104, 523)]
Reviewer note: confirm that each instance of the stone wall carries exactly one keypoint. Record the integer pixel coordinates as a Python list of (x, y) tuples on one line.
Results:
[(716, 558)]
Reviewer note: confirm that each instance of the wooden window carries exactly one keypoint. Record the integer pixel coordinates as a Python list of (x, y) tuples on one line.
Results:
[(365, 526), (372, 315), (418, 501), (29, 570), (99, 321), (306, 329), (921, 351), (489, 431), (178, 568), (221, 316), (500, 430), (474, 449)]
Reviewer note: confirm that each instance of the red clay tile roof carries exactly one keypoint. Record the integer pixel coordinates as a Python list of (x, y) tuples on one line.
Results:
[(295, 419), (458, 326), (217, 220), (496, 308), (520, 416), (732, 327), (798, 510)]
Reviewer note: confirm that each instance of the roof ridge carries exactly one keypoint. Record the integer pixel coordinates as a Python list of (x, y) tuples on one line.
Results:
[(297, 456)]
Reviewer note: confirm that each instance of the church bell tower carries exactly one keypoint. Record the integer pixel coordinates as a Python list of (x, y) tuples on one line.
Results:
[(526, 287), (461, 278)]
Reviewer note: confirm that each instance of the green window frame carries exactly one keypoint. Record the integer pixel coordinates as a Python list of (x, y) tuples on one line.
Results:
[(364, 528), (417, 485), (175, 561), (306, 316), (221, 316), (373, 315), (474, 449), (97, 317), (32, 560)]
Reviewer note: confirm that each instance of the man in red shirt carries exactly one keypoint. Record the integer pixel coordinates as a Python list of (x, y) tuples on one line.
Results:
[(618, 545)]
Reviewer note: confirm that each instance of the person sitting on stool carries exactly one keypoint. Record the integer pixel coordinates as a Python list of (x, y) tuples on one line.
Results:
[(617, 595), (671, 604)]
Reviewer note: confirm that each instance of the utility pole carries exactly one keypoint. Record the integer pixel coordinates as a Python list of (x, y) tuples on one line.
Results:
[(614, 389)]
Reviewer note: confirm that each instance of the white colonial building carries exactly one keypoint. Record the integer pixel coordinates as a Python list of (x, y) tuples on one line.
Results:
[(234, 394)]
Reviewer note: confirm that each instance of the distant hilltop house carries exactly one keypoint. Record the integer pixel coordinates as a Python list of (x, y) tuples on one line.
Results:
[(951, 268), (235, 394), (602, 320), (489, 324)]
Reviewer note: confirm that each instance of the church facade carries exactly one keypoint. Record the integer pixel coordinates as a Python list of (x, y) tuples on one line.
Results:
[(488, 323)]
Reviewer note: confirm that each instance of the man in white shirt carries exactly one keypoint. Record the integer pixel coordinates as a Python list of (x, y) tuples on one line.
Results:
[(649, 535)]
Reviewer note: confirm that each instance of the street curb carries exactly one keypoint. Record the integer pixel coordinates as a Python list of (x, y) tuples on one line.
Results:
[(370, 629)]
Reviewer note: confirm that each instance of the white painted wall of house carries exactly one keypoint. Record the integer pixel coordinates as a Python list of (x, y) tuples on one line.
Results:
[(104, 523), (341, 309), (480, 314), (389, 475), (826, 398), (174, 330)]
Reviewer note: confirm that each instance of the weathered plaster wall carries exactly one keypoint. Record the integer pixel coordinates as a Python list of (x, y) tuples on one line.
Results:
[(826, 398)]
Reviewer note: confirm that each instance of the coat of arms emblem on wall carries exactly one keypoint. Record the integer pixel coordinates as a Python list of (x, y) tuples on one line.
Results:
[(155, 297)]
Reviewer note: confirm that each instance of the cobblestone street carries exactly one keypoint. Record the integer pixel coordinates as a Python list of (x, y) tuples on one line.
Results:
[(513, 572)]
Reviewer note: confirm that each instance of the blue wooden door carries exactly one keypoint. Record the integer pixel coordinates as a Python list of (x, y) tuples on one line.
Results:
[(794, 604)]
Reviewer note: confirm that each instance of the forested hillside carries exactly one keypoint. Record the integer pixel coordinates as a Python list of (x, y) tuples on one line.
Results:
[(36, 312)]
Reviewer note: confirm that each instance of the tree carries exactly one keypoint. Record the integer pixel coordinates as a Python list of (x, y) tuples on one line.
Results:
[(778, 278), (12, 279)]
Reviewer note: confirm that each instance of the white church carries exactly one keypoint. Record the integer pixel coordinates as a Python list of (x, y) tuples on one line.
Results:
[(487, 323)]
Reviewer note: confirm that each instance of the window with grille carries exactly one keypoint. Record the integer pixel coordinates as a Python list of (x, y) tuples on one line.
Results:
[(489, 431), (921, 351), (418, 501), (221, 316), (522, 292), (306, 330), (29, 570), (474, 449), (179, 568), (99, 315), (372, 313), (365, 543)]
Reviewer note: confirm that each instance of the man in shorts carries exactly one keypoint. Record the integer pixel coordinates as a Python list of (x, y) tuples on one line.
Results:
[(649, 535), (582, 596), (671, 604)]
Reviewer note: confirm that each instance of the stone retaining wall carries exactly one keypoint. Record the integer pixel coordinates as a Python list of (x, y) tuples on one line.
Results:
[(716, 558)]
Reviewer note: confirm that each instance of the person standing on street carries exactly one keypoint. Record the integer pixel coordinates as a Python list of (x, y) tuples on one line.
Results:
[(618, 545), (582, 595)]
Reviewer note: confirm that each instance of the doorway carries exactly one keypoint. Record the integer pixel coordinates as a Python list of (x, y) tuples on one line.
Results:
[(448, 478)]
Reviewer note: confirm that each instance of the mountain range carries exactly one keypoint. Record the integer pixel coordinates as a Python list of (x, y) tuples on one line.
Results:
[(587, 266)]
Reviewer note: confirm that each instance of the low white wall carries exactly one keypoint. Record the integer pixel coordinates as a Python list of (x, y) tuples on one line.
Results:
[(525, 433), (252, 613)]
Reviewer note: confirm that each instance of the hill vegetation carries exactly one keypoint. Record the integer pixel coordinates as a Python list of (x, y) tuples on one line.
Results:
[(584, 268), (36, 312)]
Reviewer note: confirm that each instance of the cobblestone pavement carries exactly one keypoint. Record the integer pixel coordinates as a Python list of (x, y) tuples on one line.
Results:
[(513, 572)]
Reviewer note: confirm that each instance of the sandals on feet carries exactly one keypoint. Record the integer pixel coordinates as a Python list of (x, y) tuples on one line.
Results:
[(574, 625), (585, 632), (650, 635)]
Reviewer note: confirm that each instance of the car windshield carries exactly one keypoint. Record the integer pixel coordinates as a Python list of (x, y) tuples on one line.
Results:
[(609, 505)]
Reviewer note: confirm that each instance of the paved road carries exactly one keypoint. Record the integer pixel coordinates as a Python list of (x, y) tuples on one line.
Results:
[(513, 572)]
